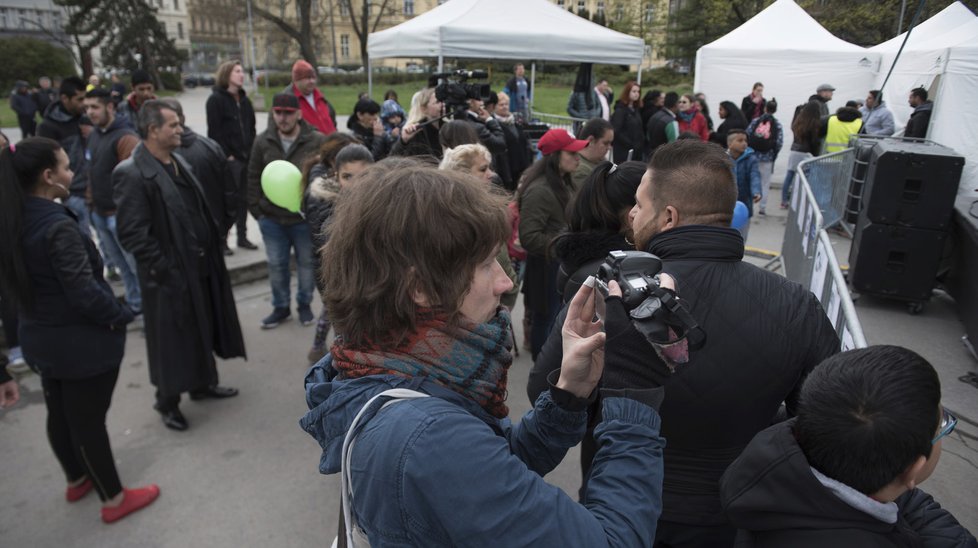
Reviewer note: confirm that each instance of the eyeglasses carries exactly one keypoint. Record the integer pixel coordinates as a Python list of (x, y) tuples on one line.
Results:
[(948, 422)]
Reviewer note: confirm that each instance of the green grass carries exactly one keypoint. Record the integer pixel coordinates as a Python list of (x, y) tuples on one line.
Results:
[(548, 98)]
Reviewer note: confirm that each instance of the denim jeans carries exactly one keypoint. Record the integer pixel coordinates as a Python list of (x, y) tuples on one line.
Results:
[(78, 206), (123, 260), (279, 241), (767, 169)]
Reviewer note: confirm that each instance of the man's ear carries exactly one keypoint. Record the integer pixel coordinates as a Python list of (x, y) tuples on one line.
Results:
[(671, 218)]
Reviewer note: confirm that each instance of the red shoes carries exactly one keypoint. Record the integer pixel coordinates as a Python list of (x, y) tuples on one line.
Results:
[(75, 493), (132, 500)]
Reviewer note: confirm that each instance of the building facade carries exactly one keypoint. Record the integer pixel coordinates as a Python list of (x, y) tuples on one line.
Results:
[(41, 19)]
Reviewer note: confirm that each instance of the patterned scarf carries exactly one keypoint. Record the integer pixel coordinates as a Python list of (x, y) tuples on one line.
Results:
[(469, 358), (688, 115)]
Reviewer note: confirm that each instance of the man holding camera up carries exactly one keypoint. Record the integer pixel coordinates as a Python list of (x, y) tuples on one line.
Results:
[(764, 334)]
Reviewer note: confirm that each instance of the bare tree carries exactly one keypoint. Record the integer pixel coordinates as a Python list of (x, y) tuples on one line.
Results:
[(361, 19), (300, 32)]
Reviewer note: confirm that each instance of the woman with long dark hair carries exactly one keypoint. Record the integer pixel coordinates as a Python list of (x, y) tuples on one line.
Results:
[(597, 224), (732, 118), (72, 328), (542, 199), (627, 121), (806, 129)]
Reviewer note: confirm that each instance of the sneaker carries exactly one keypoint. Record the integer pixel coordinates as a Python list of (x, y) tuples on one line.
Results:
[(244, 243), (16, 362), (762, 213), (306, 316), (277, 316), (784, 205), (133, 499)]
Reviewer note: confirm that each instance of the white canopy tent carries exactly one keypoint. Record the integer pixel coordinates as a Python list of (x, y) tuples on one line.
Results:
[(487, 29), (947, 66), (791, 54)]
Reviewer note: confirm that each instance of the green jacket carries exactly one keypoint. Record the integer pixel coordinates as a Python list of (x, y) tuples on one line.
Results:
[(542, 217), (583, 171), (267, 148)]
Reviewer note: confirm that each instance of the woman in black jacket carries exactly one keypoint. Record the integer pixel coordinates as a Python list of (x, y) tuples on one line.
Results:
[(627, 121), (732, 118), (366, 125), (231, 122), (72, 328)]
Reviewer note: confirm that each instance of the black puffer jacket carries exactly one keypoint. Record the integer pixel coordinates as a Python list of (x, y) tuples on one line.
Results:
[(629, 133), (424, 144), (771, 495), (764, 334), (378, 145), (211, 167)]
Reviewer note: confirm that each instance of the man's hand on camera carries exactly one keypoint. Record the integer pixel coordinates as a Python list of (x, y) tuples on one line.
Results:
[(583, 345)]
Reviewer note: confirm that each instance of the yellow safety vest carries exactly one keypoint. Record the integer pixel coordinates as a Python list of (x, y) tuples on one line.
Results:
[(837, 136)]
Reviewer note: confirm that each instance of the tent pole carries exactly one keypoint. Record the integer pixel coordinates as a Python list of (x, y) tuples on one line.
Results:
[(638, 78), (370, 77), (441, 63), (533, 84)]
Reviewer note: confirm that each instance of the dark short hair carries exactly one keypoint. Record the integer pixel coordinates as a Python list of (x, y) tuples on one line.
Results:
[(353, 153), (140, 76), (865, 415), (771, 106), (671, 99), (919, 93), (877, 95), (151, 114), (734, 132), (595, 127), (406, 229), (492, 98), (457, 132), (695, 177), (70, 86), (103, 95), (366, 106)]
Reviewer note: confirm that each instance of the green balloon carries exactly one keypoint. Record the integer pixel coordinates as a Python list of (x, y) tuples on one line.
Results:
[(281, 182)]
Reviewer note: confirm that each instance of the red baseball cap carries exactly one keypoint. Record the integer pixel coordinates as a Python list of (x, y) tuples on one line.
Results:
[(559, 139)]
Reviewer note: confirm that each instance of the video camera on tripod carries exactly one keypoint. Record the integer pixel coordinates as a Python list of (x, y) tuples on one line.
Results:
[(453, 89)]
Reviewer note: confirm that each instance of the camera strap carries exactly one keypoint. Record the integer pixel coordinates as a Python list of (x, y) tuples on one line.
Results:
[(666, 307)]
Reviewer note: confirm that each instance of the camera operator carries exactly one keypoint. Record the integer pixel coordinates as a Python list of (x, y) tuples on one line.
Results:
[(419, 137), (764, 335)]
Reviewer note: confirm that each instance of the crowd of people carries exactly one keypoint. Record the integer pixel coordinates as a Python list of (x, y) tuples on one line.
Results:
[(419, 230)]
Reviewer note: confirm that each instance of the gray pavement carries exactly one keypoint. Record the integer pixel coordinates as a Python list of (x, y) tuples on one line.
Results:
[(245, 474)]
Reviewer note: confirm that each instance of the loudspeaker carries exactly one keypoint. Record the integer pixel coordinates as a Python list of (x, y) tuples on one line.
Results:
[(895, 261), (911, 184)]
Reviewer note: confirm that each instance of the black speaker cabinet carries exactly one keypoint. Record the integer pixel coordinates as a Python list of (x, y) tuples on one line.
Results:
[(911, 184), (895, 261)]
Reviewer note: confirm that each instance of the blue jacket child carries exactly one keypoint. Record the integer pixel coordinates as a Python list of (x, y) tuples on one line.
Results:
[(392, 115), (745, 170)]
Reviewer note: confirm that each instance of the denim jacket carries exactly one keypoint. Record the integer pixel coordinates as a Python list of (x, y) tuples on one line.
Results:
[(440, 471)]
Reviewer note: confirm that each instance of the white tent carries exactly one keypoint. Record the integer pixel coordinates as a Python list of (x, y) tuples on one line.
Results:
[(946, 20), (791, 54), (947, 65), (506, 29), (488, 29)]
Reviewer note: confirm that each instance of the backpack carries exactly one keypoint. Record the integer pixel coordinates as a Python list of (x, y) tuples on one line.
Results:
[(764, 136)]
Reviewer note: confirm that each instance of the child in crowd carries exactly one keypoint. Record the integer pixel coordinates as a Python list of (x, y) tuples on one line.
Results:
[(392, 115), (320, 199), (869, 429), (746, 172)]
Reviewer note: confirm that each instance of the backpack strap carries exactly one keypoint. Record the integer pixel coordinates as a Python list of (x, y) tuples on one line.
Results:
[(367, 412)]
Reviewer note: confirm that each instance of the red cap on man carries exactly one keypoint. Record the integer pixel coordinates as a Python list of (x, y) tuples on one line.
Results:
[(559, 139)]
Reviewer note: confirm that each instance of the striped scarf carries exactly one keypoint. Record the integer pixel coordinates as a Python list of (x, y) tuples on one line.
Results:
[(469, 358)]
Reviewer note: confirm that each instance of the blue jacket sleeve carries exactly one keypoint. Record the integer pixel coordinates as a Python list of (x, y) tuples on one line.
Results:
[(755, 176), (463, 486)]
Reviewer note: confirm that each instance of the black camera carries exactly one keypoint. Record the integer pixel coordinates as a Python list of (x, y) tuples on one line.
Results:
[(453, 89), (652, 309)]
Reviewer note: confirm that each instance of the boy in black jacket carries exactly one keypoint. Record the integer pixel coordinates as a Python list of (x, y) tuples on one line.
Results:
[(845, 472)]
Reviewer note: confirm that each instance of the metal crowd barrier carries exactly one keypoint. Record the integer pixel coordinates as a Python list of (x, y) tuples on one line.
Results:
[(806, 253), (829, 177), (540, 122)]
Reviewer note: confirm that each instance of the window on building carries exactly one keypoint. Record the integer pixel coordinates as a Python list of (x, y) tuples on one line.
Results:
[(581, 6), (180, 31), (344, 8), (619, 12), (600, 8), (649, 13), (345, 45), (3, 18), (22, 19), (176, 5), (408, 7), (561, 4), (160, 2)]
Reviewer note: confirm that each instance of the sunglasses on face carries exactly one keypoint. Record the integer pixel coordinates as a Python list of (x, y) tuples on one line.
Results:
[(948, 422)]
